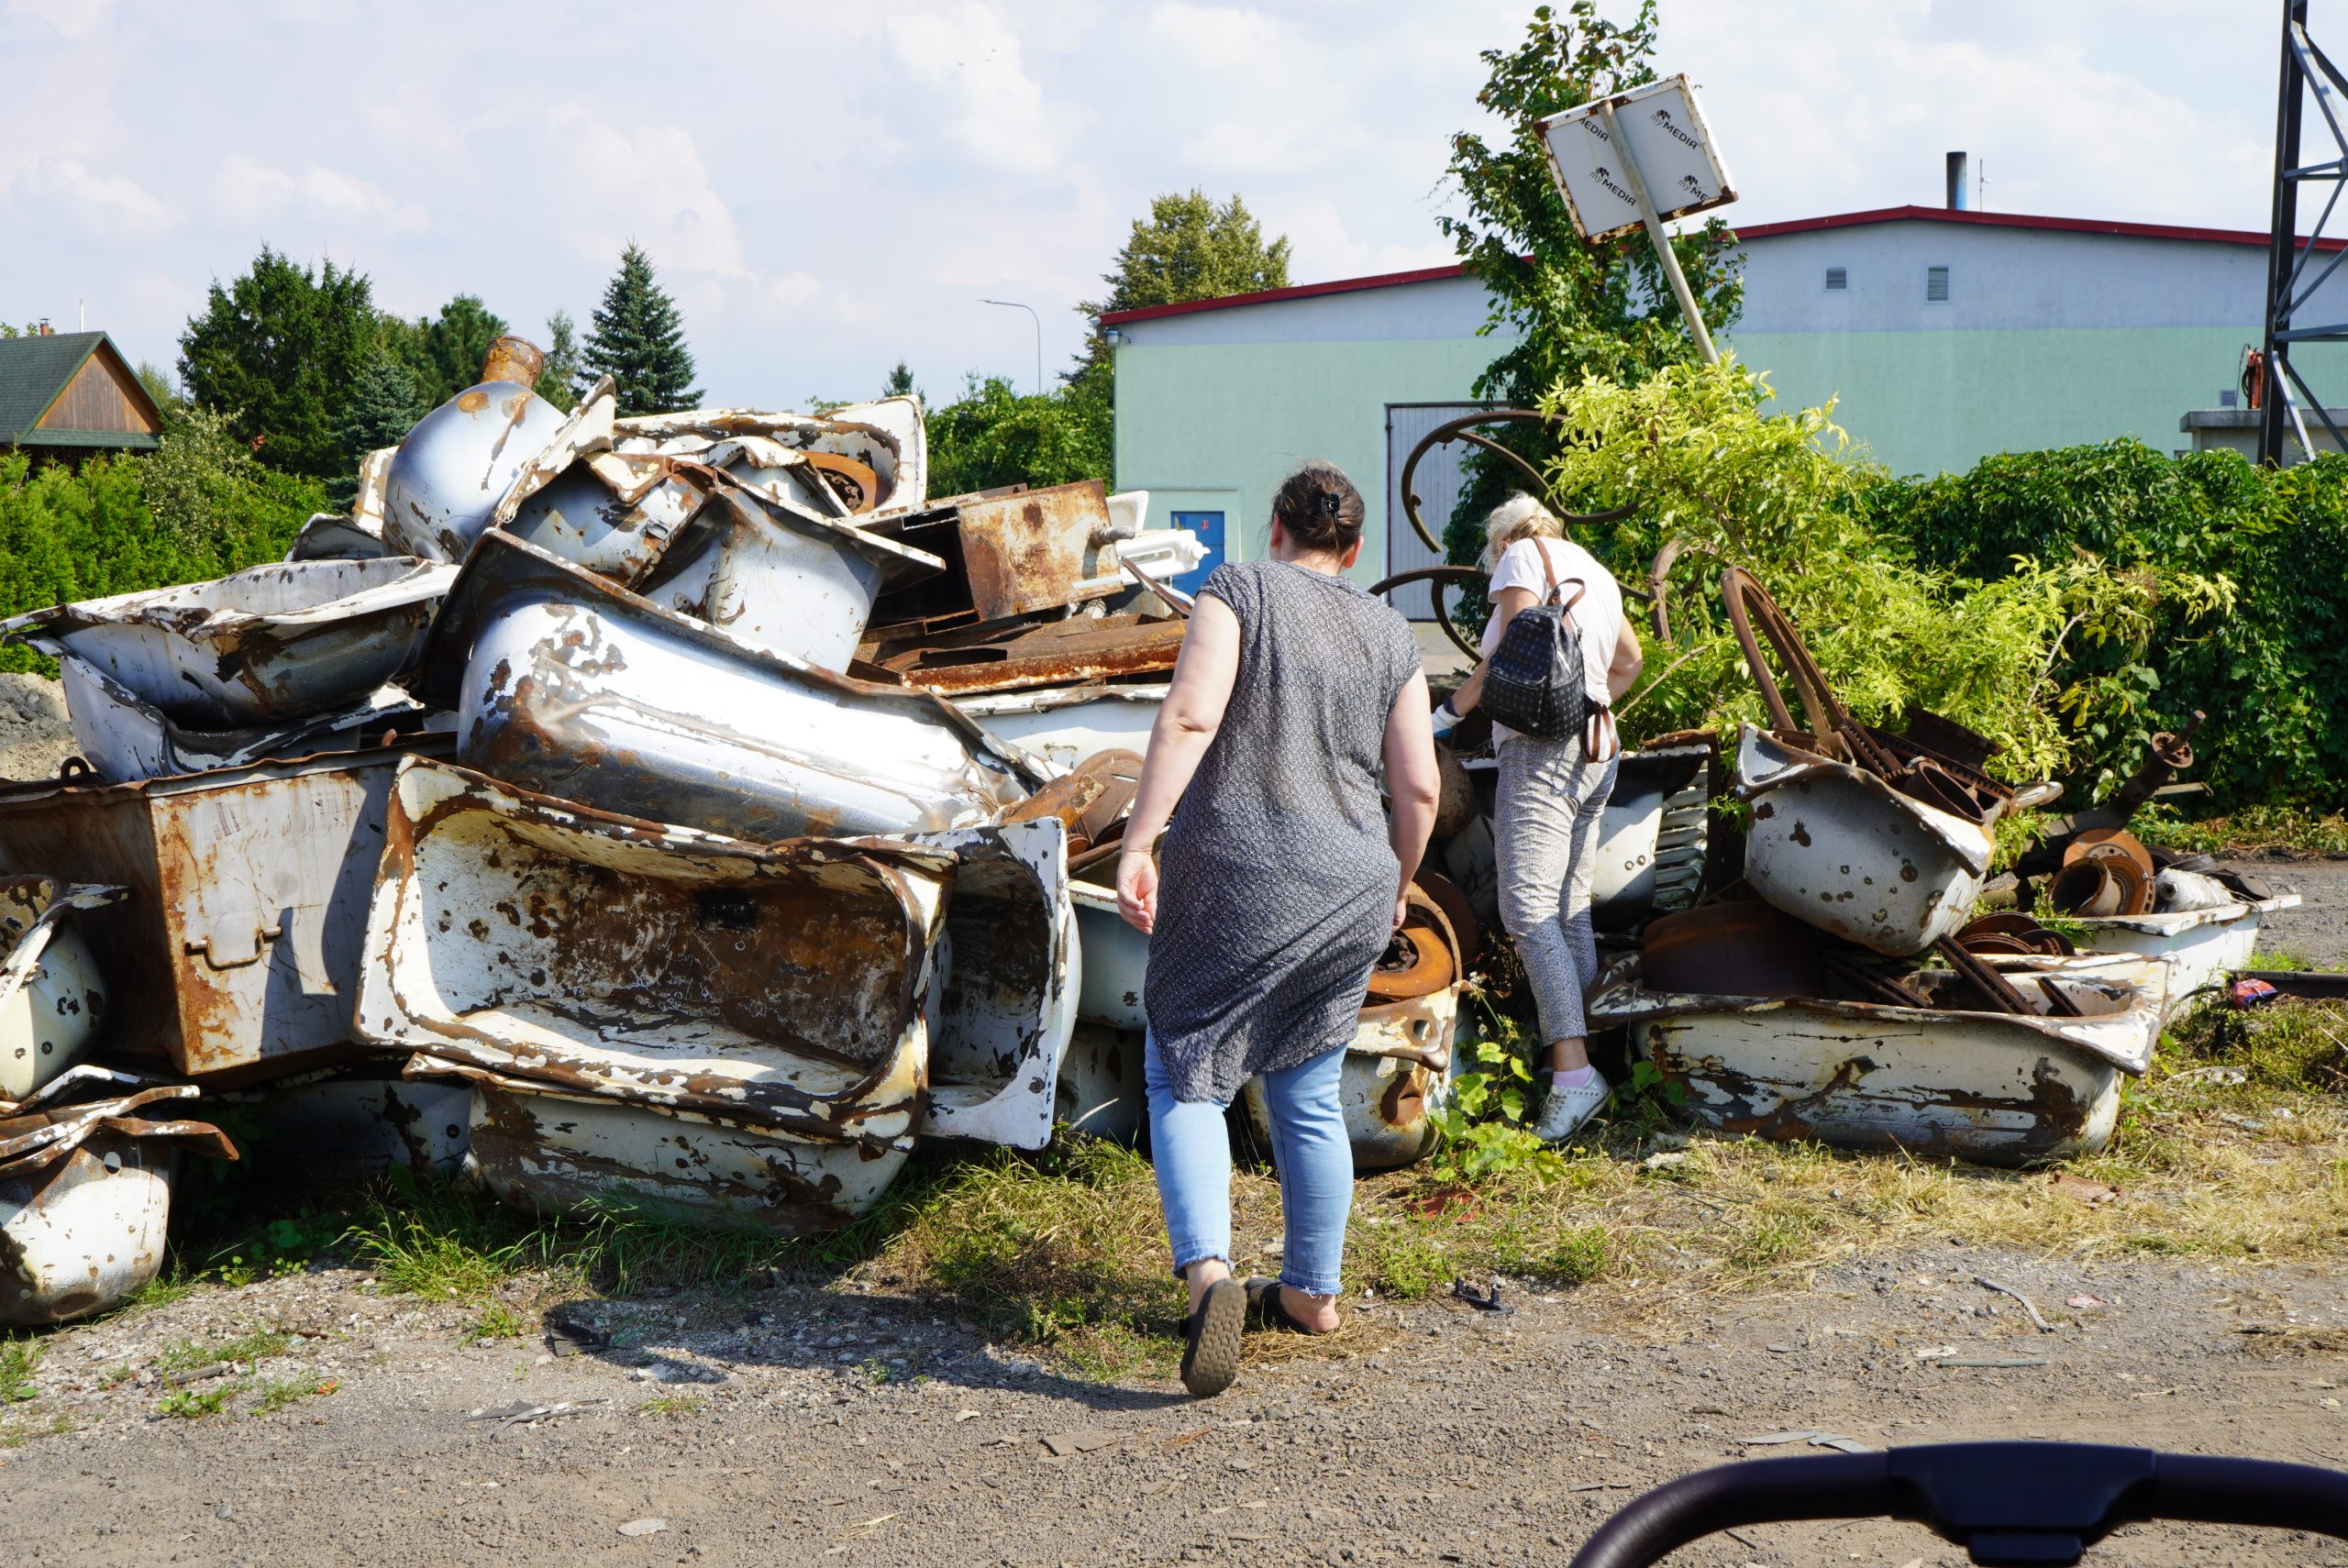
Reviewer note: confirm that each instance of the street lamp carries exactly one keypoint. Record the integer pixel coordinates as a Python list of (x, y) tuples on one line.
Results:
[(1015, 304)]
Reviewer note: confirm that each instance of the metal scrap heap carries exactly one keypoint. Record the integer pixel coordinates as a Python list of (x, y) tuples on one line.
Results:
[(688, 812)]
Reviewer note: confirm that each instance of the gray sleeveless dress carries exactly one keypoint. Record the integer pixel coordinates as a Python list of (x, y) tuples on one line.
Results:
[(1276, 885)]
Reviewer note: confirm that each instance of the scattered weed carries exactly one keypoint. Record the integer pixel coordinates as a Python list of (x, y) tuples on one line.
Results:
[(2292, 1042), (672, 1407), (196, 1404), (2251, 829), (16, 1436), (17, 1359), (498, 1322), (254, 1346), (278, 1392)]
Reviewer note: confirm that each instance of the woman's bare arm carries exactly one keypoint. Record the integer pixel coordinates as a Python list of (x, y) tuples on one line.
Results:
[(1186, 726), (1413, 788), (1622, 671)]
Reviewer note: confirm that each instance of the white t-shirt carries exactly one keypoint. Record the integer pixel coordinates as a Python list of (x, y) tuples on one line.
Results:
[(1598, 613)]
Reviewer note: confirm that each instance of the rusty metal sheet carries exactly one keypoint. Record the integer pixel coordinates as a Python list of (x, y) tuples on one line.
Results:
[(1994, 1088), (263, 645), (778, 576), (52, 994), (570, 685), (123, 739), (237, 951), (457, 462), (1057, 653), (1008, 556), (1837, 846), (885, 437), (781, 986)]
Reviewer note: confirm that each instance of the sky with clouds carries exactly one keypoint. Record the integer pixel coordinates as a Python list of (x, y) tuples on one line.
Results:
[(826, 189)]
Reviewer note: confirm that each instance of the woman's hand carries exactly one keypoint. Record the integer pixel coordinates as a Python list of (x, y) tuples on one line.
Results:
[(1401, 907), (1137, 889)]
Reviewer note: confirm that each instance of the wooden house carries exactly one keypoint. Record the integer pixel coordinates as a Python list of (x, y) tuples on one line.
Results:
[(66, 394)]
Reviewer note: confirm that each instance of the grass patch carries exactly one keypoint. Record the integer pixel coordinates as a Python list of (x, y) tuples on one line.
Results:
[(672, 1407), (498, 1322), (16, 1436), (2293, 1043), (250, 1348), (278, 1392), (196, 1404), (2252, 829)]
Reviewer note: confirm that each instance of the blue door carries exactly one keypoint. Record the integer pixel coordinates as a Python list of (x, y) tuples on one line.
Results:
[(1208, 526)]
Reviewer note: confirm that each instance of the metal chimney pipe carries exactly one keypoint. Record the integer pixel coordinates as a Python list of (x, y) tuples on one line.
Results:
[(1957, 200)]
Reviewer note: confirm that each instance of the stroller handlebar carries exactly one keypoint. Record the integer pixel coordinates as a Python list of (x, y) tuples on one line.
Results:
[(2005, 1502)]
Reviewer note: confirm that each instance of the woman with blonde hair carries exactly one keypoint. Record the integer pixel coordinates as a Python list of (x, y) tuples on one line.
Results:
[(1552, 792)]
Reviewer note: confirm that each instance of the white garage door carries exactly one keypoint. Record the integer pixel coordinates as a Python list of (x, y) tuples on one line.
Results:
[(1438, 483)]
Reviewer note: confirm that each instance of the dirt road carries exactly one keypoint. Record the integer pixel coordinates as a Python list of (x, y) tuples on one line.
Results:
[(796, 1425)]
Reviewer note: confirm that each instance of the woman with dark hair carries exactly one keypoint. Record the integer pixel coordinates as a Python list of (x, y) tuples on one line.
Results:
[(1280, 882)]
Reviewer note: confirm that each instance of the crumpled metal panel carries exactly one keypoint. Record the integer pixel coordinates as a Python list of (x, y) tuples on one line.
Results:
[(1049, 653), (2200, 944), (1836, 847), (1100, 1092), (457, 462), (52, 994), (1996, 1088), (238, 951), (1065, 726), (570, 686), (794, 584), (1008, 555), (337, 537), (886, 437), (1009, 976), (781, 986), (123, 739), (85, 1192), (265, 646)]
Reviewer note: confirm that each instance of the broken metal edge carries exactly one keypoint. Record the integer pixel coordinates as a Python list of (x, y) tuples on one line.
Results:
[(1624, 1000), (1757, 775), (2185, 920)]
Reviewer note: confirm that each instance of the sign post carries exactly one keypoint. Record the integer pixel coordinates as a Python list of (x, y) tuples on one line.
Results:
[(1612, 158)]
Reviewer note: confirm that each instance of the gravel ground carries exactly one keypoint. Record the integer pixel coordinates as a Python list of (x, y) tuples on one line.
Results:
[(819, 1426), (2318, 930), (34, 735)]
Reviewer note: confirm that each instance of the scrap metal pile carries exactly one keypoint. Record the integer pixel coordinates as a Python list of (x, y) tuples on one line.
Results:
[(1841, 987), (686, 811)]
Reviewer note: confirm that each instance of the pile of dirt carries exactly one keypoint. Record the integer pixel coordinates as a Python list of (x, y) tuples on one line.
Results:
[(35, 737)]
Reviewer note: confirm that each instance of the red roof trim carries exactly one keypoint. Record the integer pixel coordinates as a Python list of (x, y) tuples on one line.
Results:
[(1756, 231)]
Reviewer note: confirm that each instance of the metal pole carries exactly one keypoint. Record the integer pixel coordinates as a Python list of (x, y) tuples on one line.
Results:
[(2282, 241), (1039, 338), (1658, 239)]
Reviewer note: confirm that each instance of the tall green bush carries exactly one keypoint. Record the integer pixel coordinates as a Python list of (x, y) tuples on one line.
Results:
[(196, 509), (2272, 672)]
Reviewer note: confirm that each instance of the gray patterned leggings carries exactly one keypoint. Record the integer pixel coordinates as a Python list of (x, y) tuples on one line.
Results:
[(1545, 834)]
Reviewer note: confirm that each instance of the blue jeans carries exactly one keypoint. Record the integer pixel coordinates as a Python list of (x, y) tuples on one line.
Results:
[(1191, 1149)]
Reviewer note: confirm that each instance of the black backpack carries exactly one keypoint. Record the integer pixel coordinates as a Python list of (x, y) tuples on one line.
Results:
[(1535, 683)]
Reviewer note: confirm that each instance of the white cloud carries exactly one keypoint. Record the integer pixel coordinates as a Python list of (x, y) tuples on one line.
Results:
[(249, 190), (111, 206), (999, 116), (74, 20)]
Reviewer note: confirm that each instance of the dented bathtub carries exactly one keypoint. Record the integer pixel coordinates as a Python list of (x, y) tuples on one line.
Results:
[(1837, 847), (266, 646), (2200, 944), (52, 996), (837, 997), (123, 739), (1992, 1088), (568, 685)]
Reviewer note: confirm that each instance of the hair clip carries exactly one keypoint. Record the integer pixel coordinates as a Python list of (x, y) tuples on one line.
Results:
[(1327, 501)]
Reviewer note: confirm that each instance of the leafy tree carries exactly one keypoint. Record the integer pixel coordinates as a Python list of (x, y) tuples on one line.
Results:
[(158, 382), (384, 405), (993, 435), (443, 353), (1188, 248), (901, 381), (638, 340), (1575, 308), (559, 382), (275, 354)]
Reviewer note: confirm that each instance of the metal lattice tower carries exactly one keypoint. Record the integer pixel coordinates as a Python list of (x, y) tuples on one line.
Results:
[(2286, 397)]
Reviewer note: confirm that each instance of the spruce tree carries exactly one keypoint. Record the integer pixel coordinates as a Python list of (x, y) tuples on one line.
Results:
[(384, 404), (638, 340), (559, 382)]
